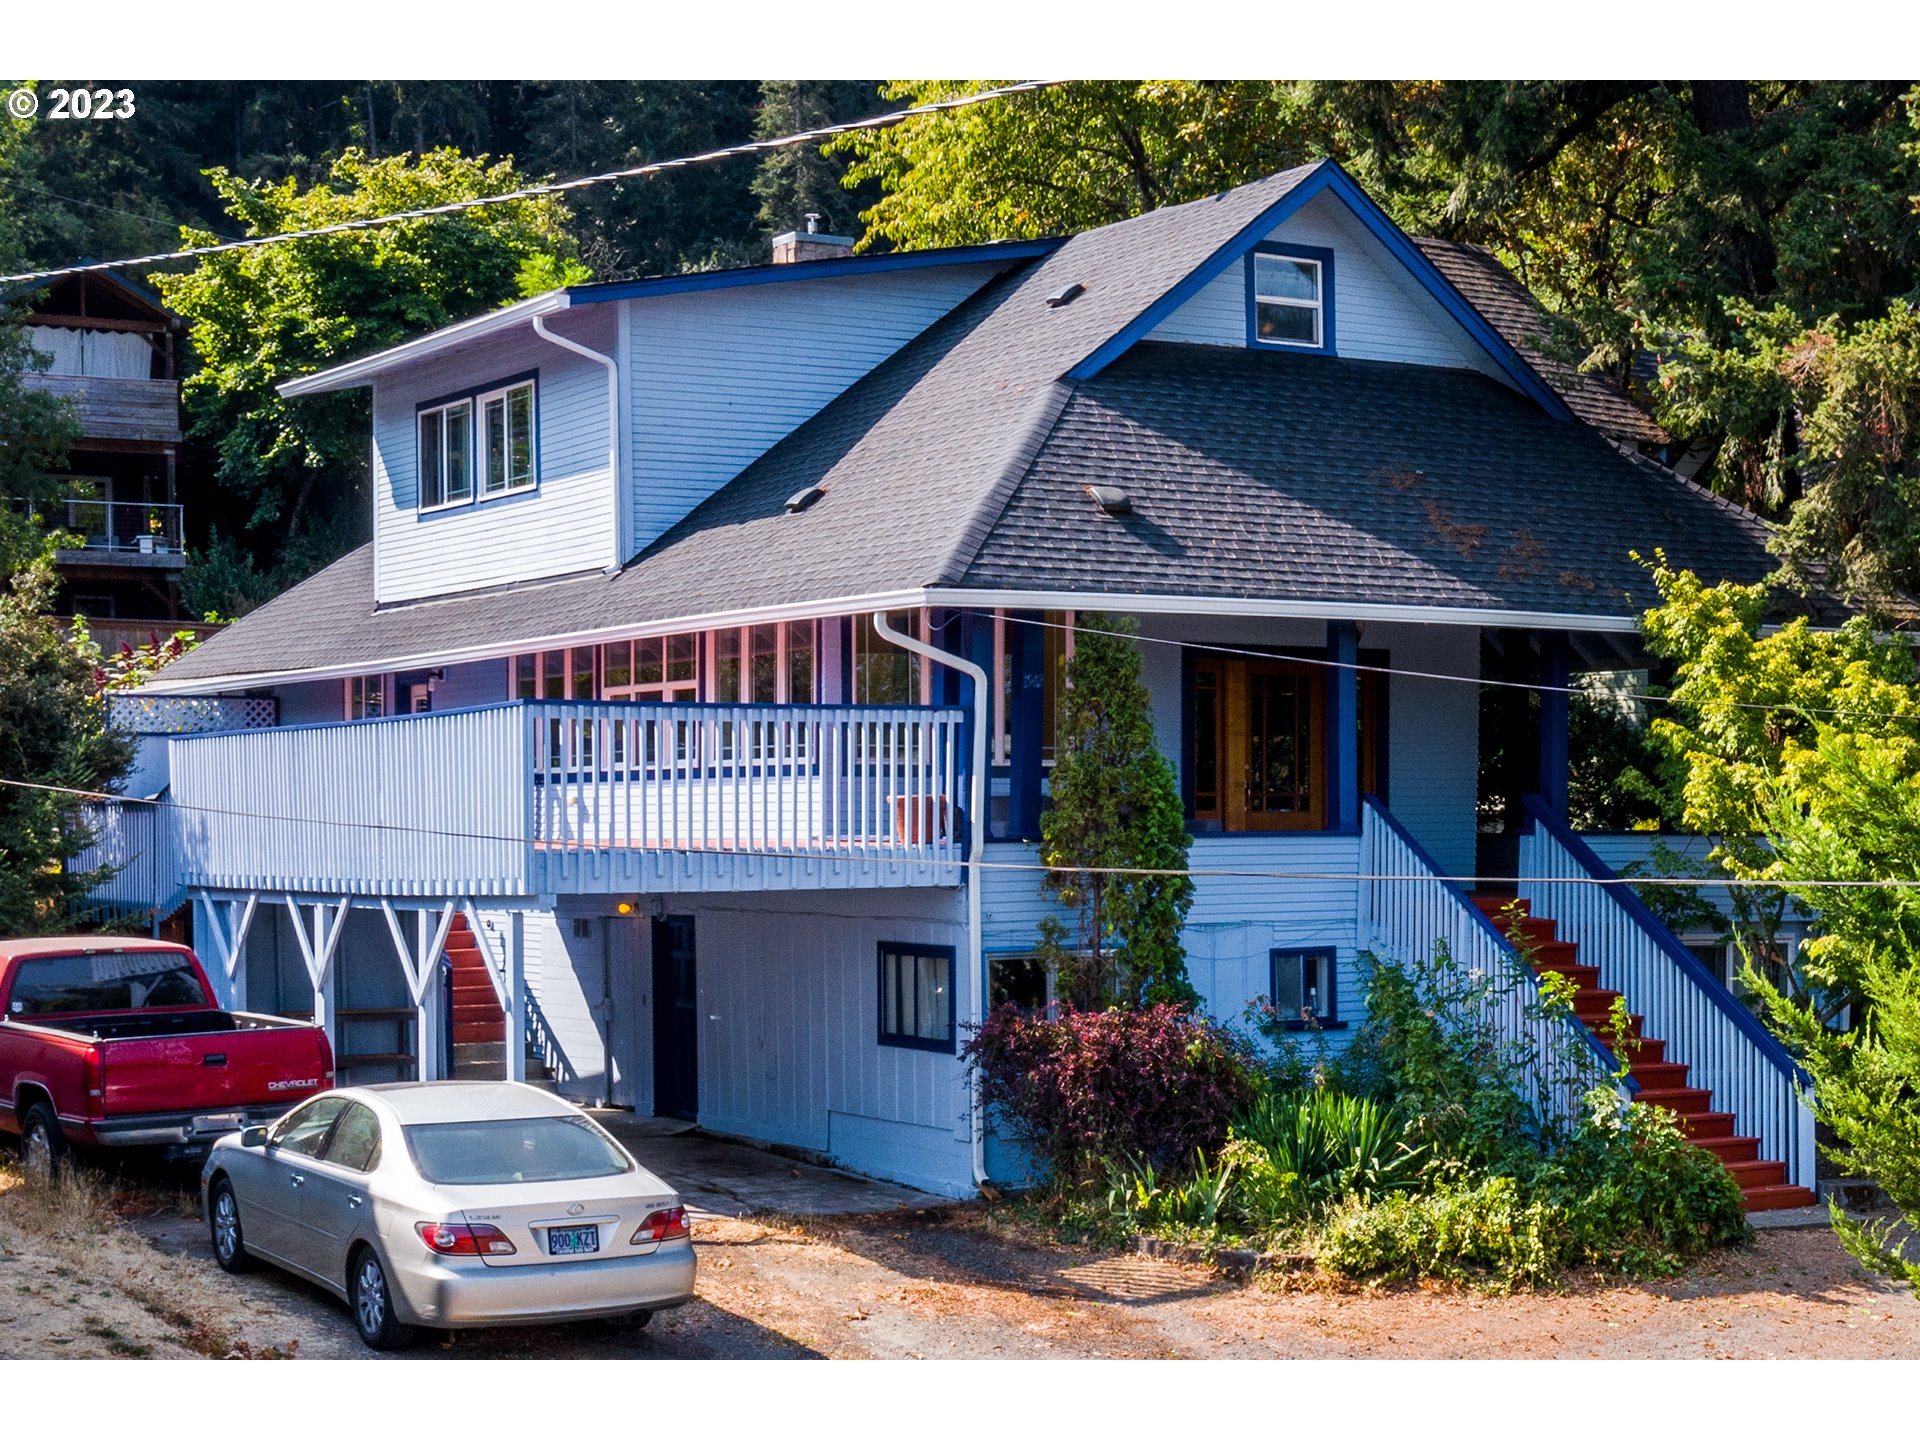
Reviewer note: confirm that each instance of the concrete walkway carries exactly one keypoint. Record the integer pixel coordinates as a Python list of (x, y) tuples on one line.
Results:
[(722, 1177)]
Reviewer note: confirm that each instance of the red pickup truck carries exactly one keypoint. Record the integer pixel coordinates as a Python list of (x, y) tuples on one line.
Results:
[(106, 1040)]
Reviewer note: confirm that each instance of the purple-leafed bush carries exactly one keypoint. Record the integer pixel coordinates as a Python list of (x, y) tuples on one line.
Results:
[(1088, 1086)]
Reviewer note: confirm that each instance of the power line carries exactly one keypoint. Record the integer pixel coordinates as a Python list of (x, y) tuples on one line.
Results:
[(978, 864), (1574, 691), (558, 187)]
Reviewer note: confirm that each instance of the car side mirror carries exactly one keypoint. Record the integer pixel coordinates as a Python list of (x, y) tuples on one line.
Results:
[(254, 1137)]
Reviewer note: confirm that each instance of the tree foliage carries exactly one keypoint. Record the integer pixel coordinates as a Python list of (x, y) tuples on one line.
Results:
[(1809, 743), (36, 429), (53, 732), (1116, 807)]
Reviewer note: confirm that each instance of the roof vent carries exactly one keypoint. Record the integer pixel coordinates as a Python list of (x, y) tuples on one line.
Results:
[(1111, 498), (801, 499), (1065, 295)]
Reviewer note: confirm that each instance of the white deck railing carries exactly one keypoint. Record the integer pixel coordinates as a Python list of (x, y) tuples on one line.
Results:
[(539, 796), (1724, 1047), (137, 839), (1410, 909)]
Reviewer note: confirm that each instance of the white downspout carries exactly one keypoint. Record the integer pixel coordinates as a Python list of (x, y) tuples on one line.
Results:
[(619, 555), (976, 850)]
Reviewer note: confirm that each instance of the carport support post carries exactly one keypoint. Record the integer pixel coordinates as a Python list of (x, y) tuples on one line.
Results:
[(516, 981), (430, 1009)]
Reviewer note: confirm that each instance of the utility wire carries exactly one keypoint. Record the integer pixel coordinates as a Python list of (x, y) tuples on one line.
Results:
[(975, 863), (558, 187), (1575, 691)]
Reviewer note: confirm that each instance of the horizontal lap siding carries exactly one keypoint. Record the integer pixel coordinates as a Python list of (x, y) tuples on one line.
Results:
[(559, 528), (1433, 756), (719, 376), (1380, 313), (1235, 920)]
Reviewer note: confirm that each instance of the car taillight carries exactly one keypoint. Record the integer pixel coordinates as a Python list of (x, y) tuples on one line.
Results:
[(662, 1225), (93, 1074), (445, 1239)]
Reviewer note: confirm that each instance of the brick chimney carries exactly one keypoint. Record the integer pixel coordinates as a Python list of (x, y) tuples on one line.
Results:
[(810, 244)]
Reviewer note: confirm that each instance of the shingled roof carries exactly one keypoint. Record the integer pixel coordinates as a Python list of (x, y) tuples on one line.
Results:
[(1265, 475), (959, 462), (1497, 293)]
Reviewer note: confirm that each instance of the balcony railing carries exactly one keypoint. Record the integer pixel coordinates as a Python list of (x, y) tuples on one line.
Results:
[(542, 797), (126, 527)]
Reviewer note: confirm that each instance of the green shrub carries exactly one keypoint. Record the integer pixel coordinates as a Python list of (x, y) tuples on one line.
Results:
[(1490, 1232)]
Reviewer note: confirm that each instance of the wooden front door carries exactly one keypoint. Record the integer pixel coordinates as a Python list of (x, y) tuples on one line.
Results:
[(676, 1015), (1259, 746)]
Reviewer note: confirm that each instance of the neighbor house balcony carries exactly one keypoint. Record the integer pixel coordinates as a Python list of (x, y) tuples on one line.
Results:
[(542, 798), (117, 408), (116, 533)]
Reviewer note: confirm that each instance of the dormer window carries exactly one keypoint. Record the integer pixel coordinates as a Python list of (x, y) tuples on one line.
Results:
[(506, 420), (1290, 297), (446, 455), (480, 445)]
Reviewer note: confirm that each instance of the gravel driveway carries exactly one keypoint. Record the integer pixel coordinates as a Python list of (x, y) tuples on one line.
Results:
[(947, 1281)]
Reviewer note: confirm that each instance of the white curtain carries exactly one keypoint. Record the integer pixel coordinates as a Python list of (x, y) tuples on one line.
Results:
[(61, 346), (118, 355), (112, 354)]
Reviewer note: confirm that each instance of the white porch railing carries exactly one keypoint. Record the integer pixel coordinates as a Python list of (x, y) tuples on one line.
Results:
[(137, 839), (536, 797), (1409, 908), (1724, 1047)]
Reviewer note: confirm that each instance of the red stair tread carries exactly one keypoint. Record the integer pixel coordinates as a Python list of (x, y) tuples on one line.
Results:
[(1776, 1197)]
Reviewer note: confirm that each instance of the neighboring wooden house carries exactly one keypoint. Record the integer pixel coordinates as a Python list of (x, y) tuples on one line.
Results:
[(113, 349), (655, 701)]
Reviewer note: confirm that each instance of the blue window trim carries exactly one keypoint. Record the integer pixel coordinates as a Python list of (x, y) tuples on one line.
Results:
[(1322, 257), (1279, 955), (917, 951), (471, 394)]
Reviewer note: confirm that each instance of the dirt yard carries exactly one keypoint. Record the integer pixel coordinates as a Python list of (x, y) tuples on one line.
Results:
[(108, 1268)]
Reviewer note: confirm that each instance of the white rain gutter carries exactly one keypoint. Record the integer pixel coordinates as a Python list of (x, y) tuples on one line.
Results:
[(976, 850), (618, 557)]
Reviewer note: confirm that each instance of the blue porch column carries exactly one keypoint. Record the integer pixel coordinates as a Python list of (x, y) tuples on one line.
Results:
[(1555, 668), (1027, 658), (1343, 726)]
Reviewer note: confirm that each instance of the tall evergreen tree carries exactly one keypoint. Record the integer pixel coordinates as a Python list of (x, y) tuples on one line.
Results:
[(1116, 809)]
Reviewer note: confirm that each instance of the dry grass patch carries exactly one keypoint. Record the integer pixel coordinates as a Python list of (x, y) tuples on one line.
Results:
[(79, 1283)]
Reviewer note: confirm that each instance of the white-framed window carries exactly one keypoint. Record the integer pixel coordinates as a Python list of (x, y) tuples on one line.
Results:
[(658, 668), (1288, 298), (765, 664), (446, 455), (506, 440), (366, 697)]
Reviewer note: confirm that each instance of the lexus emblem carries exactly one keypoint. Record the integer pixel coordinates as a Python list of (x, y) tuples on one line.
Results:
[(575, 1208)]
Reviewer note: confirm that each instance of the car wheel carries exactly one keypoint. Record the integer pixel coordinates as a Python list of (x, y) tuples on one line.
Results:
[(223, 1224), (43, 1149), (372, 1301)]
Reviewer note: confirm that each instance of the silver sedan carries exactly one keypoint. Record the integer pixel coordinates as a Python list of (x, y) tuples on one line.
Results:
[(450, 1204)]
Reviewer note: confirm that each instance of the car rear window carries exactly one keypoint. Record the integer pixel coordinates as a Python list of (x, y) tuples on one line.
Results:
[(503, 1152), (130, 980)]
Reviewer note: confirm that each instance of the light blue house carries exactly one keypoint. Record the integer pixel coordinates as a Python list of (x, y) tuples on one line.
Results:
[(695, 694)]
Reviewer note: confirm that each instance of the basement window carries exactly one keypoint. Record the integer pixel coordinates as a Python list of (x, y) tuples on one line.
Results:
[(1289, 297), (916, 996), (1304, 988)]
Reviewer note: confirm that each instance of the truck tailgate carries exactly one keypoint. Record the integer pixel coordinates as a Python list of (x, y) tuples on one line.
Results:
[(212, 1073)]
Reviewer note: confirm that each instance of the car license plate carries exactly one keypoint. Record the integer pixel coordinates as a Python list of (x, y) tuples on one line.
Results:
[(573, 1240)]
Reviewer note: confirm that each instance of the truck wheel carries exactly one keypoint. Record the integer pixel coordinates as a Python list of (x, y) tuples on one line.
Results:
[(223, 1224), (43, 1149), (372, 1301)]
